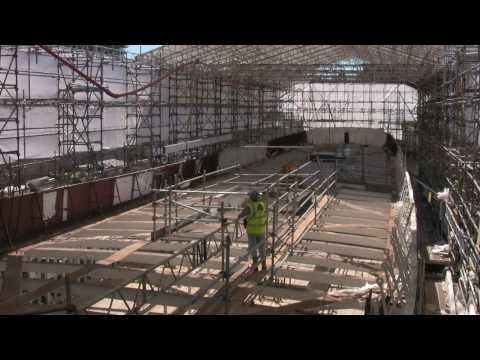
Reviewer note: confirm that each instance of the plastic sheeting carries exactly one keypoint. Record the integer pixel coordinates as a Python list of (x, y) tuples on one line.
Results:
[(144, 185), (49, 205), (25, 214), (123, 190)]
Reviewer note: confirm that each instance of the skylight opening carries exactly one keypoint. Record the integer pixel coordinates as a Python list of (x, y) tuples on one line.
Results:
[(135, 50), (352, 64)]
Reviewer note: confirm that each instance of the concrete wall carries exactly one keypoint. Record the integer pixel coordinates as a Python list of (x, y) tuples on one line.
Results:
[(376, 170), (247, 156), (366, 105), (357, 136)]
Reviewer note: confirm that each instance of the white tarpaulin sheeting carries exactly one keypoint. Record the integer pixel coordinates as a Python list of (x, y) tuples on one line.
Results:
[(144, 184), (49, 201), (123, 190)]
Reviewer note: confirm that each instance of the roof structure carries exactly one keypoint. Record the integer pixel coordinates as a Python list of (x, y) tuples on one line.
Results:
[(307, 63)]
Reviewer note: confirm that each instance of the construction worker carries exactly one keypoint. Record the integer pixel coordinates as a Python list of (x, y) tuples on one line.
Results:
[(255, 221)]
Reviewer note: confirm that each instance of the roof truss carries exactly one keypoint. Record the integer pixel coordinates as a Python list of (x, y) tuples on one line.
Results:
[(273, 63)]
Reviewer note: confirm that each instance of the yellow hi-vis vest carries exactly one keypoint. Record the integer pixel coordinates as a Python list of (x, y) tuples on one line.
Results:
[(257, 218)]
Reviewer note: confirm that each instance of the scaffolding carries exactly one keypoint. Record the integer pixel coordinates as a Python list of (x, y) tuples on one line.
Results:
[(203, 92), (87, 130), (144, 136), (448, 154), (188, 102), (9, 119), (218, 237), (80, 112)]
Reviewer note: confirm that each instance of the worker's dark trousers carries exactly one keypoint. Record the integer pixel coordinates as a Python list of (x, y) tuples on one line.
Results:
[(255, 241)]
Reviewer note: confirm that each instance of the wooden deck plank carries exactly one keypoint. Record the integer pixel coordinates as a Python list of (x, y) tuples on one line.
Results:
[(346, 212), (93, 254), (161, 246), (377, 224), (357, 187), (45, 268), (122, 254), (85, 233), (363, 208), (333, 264), (321, 277), (48, 252), (89, 243), (355, 230), (347, 250), (125, 225), (369, 199), (293, 294), (364, 193), (146, 259), (356, 240)]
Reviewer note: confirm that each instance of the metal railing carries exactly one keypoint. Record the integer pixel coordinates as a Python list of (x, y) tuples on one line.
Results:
[(401, 269), (138, 291), (465, 260), (282, 220), (290, 238)]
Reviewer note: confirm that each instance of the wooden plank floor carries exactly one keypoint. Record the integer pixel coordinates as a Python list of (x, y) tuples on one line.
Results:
[(349, 249), (340, 238), (123, 242), (346, 250)]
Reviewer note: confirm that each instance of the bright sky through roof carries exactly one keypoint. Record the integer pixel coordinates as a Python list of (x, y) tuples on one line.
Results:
[(135, 49)]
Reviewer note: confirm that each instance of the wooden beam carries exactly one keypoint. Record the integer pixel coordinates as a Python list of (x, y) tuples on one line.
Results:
[(322, 278), (355, 230), (102, 243), (377, 202), (123, 226), (368, 194), (292, 294), (335, 264), (376, 224), (348, 250), (346, 212), (122, 254), (126, 234), (48, 252), (139, 257), (44, 267), (356, 240), (361, 207), (159, 246)]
